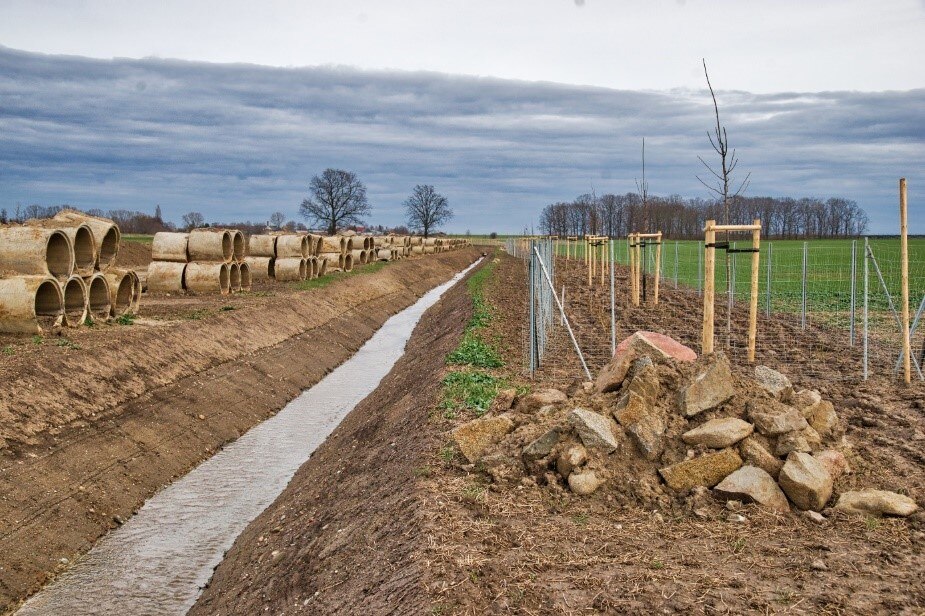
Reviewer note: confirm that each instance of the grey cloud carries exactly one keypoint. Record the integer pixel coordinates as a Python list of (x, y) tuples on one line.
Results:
[(241, 141)]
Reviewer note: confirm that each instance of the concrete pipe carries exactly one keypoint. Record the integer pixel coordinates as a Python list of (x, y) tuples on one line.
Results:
[(30, 304), (334, 261), (166, 277), (168, 246), (216, 245), (234, 276), (82, 243), (136, 290), (315, 242), (384, 254), (292, 246), (121, 290), (261, 268), (380, 242), (245, 276), (290, 269), (312, 272), (208, 277), (430, 241), (359, 256), (348, 262), (36, 251), (99, 297), (75, 301), (261, 246), (417, 249), (322, 266), (350, 242), (238, 245), (106, 235), (333, 243)]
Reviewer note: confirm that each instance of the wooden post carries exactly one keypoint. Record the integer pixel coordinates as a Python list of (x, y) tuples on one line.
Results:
[(588, 255), (603, 260), (709, 288), (753, 306), (658, 264), (904, 264)]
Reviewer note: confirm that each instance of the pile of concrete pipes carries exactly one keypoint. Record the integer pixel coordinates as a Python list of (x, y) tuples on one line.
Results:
[(285, 257), (392, 247), (206, 261), (59, 272), (433, 245)]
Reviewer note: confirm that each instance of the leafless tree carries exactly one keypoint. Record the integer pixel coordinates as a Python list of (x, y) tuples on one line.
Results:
[(642, 187), (277, 220), (193, 220), (338, 198), (426, 209)]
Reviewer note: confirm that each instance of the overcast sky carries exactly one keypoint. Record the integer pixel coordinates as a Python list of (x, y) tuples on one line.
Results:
[(525, 102)]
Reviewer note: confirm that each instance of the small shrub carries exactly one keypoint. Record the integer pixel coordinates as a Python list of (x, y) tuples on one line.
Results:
[(36, 339), (125, 319), (473, 351), (67, 344), (470, 390)]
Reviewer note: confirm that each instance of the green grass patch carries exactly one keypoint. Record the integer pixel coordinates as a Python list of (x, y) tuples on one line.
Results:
[(125, 319), (473, 391), (473, 351), (320, 283)]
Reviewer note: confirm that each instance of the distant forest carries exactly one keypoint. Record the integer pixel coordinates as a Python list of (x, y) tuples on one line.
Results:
[(680, 218)]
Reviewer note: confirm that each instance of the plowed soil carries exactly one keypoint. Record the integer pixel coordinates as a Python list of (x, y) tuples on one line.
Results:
[(91, 428)]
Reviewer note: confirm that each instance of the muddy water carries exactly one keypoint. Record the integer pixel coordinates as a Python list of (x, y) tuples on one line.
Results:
[(159, 560)]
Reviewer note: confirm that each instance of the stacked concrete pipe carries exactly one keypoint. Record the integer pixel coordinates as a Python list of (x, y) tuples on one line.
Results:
[(204, 261)]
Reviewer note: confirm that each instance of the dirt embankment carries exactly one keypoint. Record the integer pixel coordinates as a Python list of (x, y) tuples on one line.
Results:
[(345, 537), (92, 428)]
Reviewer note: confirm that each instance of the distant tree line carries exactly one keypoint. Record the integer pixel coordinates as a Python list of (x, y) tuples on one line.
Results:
[(677, 217)]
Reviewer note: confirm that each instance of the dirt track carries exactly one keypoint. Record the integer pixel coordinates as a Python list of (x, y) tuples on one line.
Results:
[(89, 433)]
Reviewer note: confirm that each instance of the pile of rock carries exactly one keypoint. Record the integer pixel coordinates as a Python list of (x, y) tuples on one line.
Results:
[(661, 426)]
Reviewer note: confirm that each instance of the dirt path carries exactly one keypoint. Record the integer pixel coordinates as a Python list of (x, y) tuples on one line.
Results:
[(345, 537), (89, 433)]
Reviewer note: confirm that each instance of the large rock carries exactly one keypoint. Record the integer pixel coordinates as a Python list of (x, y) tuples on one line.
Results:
[(706, 470), (474, 437), (584, 483), (755, 453), (541, 447), (645, 381), (806, 440), (751, 483), (718, 433), (876, 502), (594, 429), (570, 459), (536, 400), (824, 420), (644, 422), (709, 388), (640, 344), (834, 461), (773, 382), (772, 418), (805, 481), (805, 401)]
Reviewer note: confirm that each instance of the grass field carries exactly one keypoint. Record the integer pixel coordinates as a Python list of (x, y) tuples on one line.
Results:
[(137, 237)]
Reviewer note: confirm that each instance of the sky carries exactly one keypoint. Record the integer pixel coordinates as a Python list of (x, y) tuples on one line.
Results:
[(230, 107)]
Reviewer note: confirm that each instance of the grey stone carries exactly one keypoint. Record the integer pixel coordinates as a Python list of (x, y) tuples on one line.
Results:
[(806, 440), (877, 503), (718, 433), (755, 485), (594, 429), (541, 447), (772, 418), (709, 388), (773, 382), (584, 483), (755, 453), (644, 422), (534, 401), (805, 481)]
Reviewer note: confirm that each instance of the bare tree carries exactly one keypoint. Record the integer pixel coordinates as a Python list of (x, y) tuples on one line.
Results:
[(722, 180), (426, 209), (338, 198), (193, 220), (643, 189), (277, 220)]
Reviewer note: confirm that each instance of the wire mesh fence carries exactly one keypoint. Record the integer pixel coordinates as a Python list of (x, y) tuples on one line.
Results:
[(821, 302)]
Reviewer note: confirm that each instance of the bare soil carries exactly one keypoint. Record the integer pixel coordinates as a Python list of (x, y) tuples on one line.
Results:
[(92, 427)]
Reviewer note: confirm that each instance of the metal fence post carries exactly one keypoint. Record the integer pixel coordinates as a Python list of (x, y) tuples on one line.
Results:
[(532, 276), (866, 287), (854, 266), (767, 291), (613, 313), (803, 310)]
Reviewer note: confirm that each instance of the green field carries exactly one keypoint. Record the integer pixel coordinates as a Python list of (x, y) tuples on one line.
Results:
[(137, 237)]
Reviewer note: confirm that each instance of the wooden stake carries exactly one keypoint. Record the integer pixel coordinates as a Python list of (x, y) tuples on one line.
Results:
[(588, 256), (603, 260), (709, 288), (658, 264), (753, 306), (904, 264)]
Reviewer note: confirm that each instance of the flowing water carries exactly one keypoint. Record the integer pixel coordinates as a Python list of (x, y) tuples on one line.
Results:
[(160, 559)]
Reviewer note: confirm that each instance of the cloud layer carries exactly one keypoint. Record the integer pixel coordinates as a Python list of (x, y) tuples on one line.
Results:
[(242, 141)]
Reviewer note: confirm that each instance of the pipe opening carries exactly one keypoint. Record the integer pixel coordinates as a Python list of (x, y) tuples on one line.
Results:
[(238, 249), (75, 301), (84, 250), (108, 247), (303, 269), (124, 296), (99, 299), (245, 271), (227, 248), (49, 304), (235, 277), (58, 255), (224, 277), (271, 268)]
